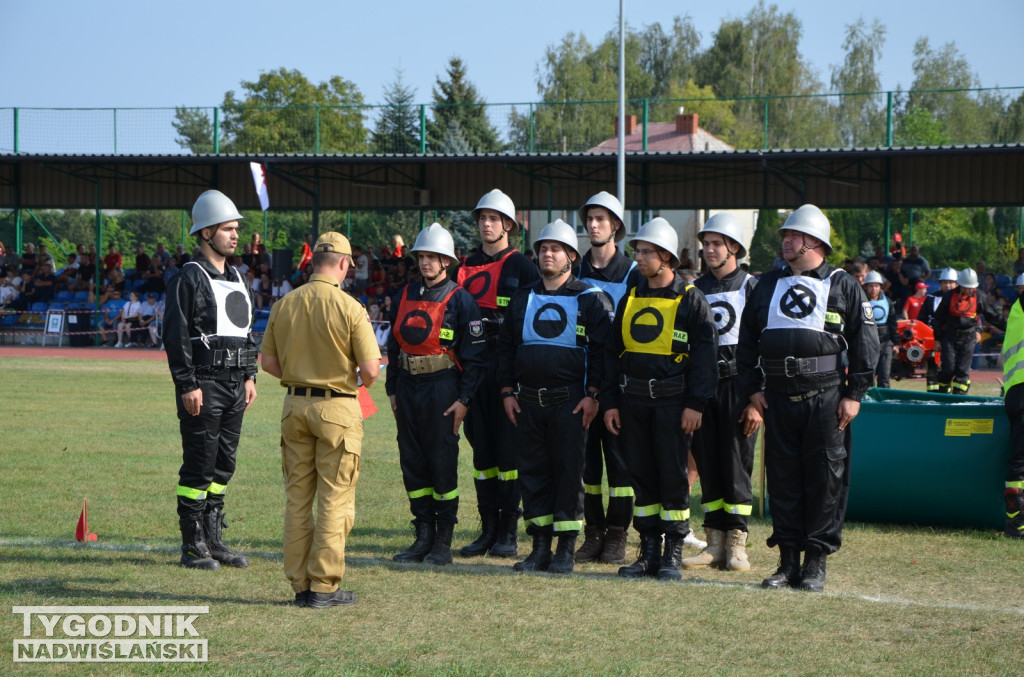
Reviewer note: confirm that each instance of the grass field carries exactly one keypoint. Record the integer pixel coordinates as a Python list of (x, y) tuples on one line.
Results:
[(899, 600)]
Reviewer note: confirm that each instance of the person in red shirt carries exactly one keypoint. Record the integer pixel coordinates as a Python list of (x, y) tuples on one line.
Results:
[(913, 305), (112, 261)]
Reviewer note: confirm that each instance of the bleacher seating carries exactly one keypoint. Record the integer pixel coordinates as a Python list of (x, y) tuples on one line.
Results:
[(80, 296), (259, 326), (64, 296), (1004, 281)]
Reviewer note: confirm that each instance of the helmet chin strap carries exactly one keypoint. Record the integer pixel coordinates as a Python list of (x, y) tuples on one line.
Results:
[(805, 248), (728, 255), (209, 241), (441, 271), (498, 239), (610, 240)]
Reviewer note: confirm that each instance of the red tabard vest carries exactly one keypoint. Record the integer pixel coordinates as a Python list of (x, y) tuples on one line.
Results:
[(482, 281), (418, 325), (962, 305)]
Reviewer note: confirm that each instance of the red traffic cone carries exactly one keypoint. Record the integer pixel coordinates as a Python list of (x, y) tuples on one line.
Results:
[(82, 531)]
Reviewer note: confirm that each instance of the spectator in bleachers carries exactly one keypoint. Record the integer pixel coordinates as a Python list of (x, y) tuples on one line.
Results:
[(248, 260), (264, 295), (162, 254), (142, 261), (306, 253), (110, 314), (28, 259), (280, 288), (10, 288), (980, 268), (990, 286), (899, 287), (42, 287), (883, 258), (152, 277), (112, 261), (170, 270), (68, 275), (181, 256), (45, 257), (240, 265), (148, 319), (361, 266), (263, 257), (116, 279), (130, 320), (915, 266)]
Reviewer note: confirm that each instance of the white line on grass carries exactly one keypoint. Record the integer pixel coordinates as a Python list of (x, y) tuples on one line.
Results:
[(896, 601)]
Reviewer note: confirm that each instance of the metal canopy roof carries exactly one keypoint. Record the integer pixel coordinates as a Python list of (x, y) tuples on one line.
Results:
[(850, 178)]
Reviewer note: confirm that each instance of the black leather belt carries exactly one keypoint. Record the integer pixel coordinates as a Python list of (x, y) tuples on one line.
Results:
[(301, 391), (544, 397), (791, 367), (726, 369), (652, 388), (801, 397), (226, 358)]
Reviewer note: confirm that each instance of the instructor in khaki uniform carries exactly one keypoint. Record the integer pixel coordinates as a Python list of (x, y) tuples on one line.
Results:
[(316, 337)]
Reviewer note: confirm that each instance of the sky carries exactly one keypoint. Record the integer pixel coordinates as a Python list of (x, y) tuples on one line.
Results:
[(138, 53)]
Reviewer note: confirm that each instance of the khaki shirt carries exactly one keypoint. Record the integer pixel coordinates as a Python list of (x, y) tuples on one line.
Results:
[(320, 334)]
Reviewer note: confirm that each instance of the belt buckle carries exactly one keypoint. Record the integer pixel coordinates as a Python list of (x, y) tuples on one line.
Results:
[(650, 388), (786, 362), (540, 396)]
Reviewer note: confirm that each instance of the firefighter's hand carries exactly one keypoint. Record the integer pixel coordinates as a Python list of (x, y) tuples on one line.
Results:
[(394, 404), (750, 420), (612, 422), (847, 411), (511, 405), (589, 407), (691, 420), (458, 410), (193, 401), (250, 393), (759, 402)]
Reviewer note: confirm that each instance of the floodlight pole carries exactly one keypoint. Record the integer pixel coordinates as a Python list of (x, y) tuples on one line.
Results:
[(622, 107)]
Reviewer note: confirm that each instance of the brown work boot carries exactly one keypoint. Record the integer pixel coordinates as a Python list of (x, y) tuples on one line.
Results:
[(736, 547), (711, 556), (593, 544), (614, 546)]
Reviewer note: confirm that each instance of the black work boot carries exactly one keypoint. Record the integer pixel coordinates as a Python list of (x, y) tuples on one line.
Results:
[(195, 553), (563, 560), (593, 544), (648, 561), (540, 558), (488, 535), (1014, 513), (788, 573), (421, 546), (507, 543), (671, 568), (441, 553), (812, 576), (214, 525)]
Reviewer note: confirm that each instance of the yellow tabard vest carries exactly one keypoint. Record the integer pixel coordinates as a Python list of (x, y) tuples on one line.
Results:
[(648, 325), (1013, 348)]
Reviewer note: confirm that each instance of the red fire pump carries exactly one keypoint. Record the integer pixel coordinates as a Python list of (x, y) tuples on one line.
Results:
[(917, 348)]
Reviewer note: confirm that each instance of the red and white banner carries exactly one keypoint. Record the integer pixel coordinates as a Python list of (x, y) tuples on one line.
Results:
[(259, 177)]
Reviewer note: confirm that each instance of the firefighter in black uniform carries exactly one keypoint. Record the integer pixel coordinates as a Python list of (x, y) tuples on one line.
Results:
[(436, 353), (956, 327), (491, 274), (948, 279), (798, 322), (663, 354), (606, 267), (885, 321), (551, 371), (723, 446), (212, 358)]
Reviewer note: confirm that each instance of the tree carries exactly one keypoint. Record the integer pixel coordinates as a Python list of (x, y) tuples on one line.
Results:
[(456, 99), (938, 74), (716, 116), (283, 112), (759, 56), (194, 129), (766, 243), (860, 116), (398, 129)]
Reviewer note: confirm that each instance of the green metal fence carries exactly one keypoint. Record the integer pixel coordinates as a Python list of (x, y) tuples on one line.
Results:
[(871, 119)]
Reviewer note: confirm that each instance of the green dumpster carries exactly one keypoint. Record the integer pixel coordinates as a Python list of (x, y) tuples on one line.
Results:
[(929, 459)]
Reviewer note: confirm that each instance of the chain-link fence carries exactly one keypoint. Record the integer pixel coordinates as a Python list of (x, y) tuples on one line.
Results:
[(872, 119)]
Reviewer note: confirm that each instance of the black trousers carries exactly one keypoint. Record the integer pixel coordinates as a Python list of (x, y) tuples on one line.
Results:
[(656, 450), (725, 459), (209, 445), (427, 447), (551, 443), (1014, 404), (957, 355), (807, 462), (605, 451), (884, 367), (492, 437)]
